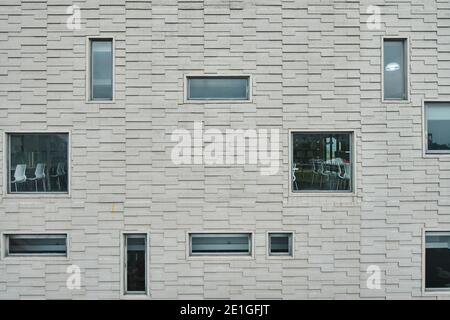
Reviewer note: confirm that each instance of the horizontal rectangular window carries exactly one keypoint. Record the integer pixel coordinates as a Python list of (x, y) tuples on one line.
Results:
[(395, 69), (437, 116), (38, 162), (101, 69), (280, 244), (218, 88), (31, 244), (220, 244), (437, 260), (321, 162)]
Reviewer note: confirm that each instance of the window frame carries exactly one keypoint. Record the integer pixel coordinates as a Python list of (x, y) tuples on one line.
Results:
[(407, 69), (239, 255), (432, 291), (187, 100), (7, 161), (88, 78), (33, 256), (324, 193), (276, 255), (134, 295), (426, 151)]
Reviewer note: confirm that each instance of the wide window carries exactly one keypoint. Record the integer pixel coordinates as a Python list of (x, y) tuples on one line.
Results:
[(220, 244), (101, 69), (321, 162), (136, 263), (38, 162), (55, 244), (437, 261), (280, 244), (438, 127), (218, 88), (395, 69)]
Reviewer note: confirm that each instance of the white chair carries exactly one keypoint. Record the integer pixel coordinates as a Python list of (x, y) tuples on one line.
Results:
[(294, 178), (59, 173), (315, 170), (343, 175), (19, 175), (39, 174)]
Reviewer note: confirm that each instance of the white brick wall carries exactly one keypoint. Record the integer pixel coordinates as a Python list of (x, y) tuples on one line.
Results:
[(315, 66)]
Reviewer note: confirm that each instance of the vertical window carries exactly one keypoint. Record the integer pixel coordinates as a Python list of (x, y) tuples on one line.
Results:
[(136, 263), (33, 244), (280, 244), (38, 162), (220, 244), (101, 69), (437, 260), (395, 69), (321, 162), (437, 118), (218, 88)]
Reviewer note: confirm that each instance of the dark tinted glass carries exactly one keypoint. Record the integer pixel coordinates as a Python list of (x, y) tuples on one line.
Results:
[(37, 244), (437, 260), (220, 243), (280, 243), (321, 162), (136, 262)]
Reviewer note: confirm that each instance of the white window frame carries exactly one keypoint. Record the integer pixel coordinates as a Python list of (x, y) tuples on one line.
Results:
[(432, 291), (4, 240), (290, 254), (407, 71), (7, 161), (88, 70), (426, 152), (123, 270), (323, 193), (249, 254), (217, 101)]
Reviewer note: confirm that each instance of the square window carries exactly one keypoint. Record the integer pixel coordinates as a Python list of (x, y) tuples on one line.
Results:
[(218, 88), (321, 162), (437, 260), (38, 162), (36, 244), (101, 70), (280, 244), (220, 244), (437, 119), (395, 71)]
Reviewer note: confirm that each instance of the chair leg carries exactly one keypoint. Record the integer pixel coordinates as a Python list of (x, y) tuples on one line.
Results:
[(16, 186), (43, 185), (59, 184), (35, 183)]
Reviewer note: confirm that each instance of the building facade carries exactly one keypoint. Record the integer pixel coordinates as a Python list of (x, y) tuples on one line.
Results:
[(358, 92)]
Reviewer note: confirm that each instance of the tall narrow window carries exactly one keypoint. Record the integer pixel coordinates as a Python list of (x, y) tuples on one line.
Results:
[(321, 162), (101, 69), (395, 69), (136, 263), (220, 244), (437, 116), (218, 88), (38, 162), (35, 244), (437, 260)]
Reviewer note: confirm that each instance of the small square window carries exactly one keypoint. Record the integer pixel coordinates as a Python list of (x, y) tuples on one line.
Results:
[(321, 162), (437, 261), (437, 122), (280, 244), (38, 162), (218, 88)]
